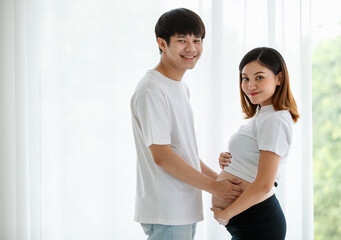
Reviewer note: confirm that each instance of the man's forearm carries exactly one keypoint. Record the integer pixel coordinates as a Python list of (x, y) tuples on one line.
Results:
[(208, 171), (181, 170)]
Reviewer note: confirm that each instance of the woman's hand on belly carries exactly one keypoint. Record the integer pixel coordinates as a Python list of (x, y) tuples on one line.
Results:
[(224, 159), (237, 187)]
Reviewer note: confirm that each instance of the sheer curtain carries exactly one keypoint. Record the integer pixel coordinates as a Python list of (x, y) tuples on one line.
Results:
[(20, 159), (68, 70)]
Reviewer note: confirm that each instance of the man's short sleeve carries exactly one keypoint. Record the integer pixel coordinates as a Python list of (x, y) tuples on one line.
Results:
[(274, 134), (153, 115)]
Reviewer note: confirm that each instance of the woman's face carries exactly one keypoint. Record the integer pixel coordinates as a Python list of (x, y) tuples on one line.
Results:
[(259, 83)]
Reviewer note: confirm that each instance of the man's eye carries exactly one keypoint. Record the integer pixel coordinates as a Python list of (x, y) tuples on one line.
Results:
[(181, 41)]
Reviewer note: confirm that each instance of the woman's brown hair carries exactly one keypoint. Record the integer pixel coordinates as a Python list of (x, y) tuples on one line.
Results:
[(282, 98)]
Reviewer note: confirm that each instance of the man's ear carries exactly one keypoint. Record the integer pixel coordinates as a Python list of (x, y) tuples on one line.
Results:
[(162, 44), (279, 79)]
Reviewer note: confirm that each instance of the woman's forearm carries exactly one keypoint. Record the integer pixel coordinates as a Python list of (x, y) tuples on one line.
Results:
[(254, 194)]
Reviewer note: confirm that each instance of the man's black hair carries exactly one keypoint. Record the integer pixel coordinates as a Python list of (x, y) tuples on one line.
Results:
[(179, 21)]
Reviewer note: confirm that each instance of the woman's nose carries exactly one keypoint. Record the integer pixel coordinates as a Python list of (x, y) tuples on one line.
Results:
[(251, 85)]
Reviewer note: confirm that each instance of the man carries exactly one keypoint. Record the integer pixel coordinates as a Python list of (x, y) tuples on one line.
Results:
[(170, 174)]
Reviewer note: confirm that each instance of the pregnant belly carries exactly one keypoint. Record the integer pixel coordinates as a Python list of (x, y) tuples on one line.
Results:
[(216, 202)]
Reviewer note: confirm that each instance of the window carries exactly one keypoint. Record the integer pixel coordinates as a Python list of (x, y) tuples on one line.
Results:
[(326, 85)]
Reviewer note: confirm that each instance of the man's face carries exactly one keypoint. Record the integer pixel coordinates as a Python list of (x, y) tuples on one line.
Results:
[(183, 51)]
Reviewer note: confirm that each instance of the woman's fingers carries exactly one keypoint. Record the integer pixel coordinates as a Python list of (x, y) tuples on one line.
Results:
[(224, 159), (226, 155)]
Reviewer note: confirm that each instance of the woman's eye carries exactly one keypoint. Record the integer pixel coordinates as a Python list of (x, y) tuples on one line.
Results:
[(245, 79), (259, 77)]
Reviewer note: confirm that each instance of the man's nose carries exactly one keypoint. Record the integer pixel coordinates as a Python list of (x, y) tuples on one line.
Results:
[(190, 47)]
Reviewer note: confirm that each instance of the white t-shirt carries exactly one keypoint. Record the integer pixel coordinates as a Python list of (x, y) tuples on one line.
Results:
[(269, 130), (162, 115)]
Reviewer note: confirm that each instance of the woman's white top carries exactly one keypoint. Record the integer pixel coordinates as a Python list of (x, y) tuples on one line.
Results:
[(269, 130)]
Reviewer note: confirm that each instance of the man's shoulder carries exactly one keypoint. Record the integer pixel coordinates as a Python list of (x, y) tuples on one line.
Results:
[(150, 86), (147, 87), (149, 81)]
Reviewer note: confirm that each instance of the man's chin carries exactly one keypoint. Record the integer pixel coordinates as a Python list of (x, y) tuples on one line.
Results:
[(190, 67)]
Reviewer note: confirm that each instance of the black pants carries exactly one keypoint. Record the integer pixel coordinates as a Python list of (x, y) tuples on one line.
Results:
[(264, 221)]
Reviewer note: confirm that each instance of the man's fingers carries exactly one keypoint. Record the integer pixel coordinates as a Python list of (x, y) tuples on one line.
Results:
[(231, 198), (236, 194), (235, 180), (233, 195), (237, 188)]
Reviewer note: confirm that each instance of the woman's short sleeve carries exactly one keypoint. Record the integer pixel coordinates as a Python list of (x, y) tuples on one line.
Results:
[(274, 134)]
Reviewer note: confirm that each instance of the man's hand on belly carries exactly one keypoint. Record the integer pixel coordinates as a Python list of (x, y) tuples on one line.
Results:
[(228, 190)]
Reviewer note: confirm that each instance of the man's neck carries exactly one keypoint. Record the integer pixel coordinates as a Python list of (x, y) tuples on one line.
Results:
[(169, 72)]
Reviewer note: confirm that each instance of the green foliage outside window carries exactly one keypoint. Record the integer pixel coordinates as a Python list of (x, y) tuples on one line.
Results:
[(326, 76)]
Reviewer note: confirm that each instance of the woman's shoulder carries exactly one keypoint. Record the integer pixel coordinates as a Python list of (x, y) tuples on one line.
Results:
[(277, 117)]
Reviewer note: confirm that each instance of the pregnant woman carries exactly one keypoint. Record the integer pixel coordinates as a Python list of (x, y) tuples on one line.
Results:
[(259, 149)]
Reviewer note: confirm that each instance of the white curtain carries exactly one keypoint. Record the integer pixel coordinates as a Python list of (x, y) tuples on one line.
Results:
[(68, 69)]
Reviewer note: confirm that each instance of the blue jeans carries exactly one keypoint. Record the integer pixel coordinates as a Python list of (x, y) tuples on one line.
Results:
[(169, 232)]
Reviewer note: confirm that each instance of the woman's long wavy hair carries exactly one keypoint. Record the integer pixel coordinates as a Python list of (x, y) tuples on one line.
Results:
[(282, 98)]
